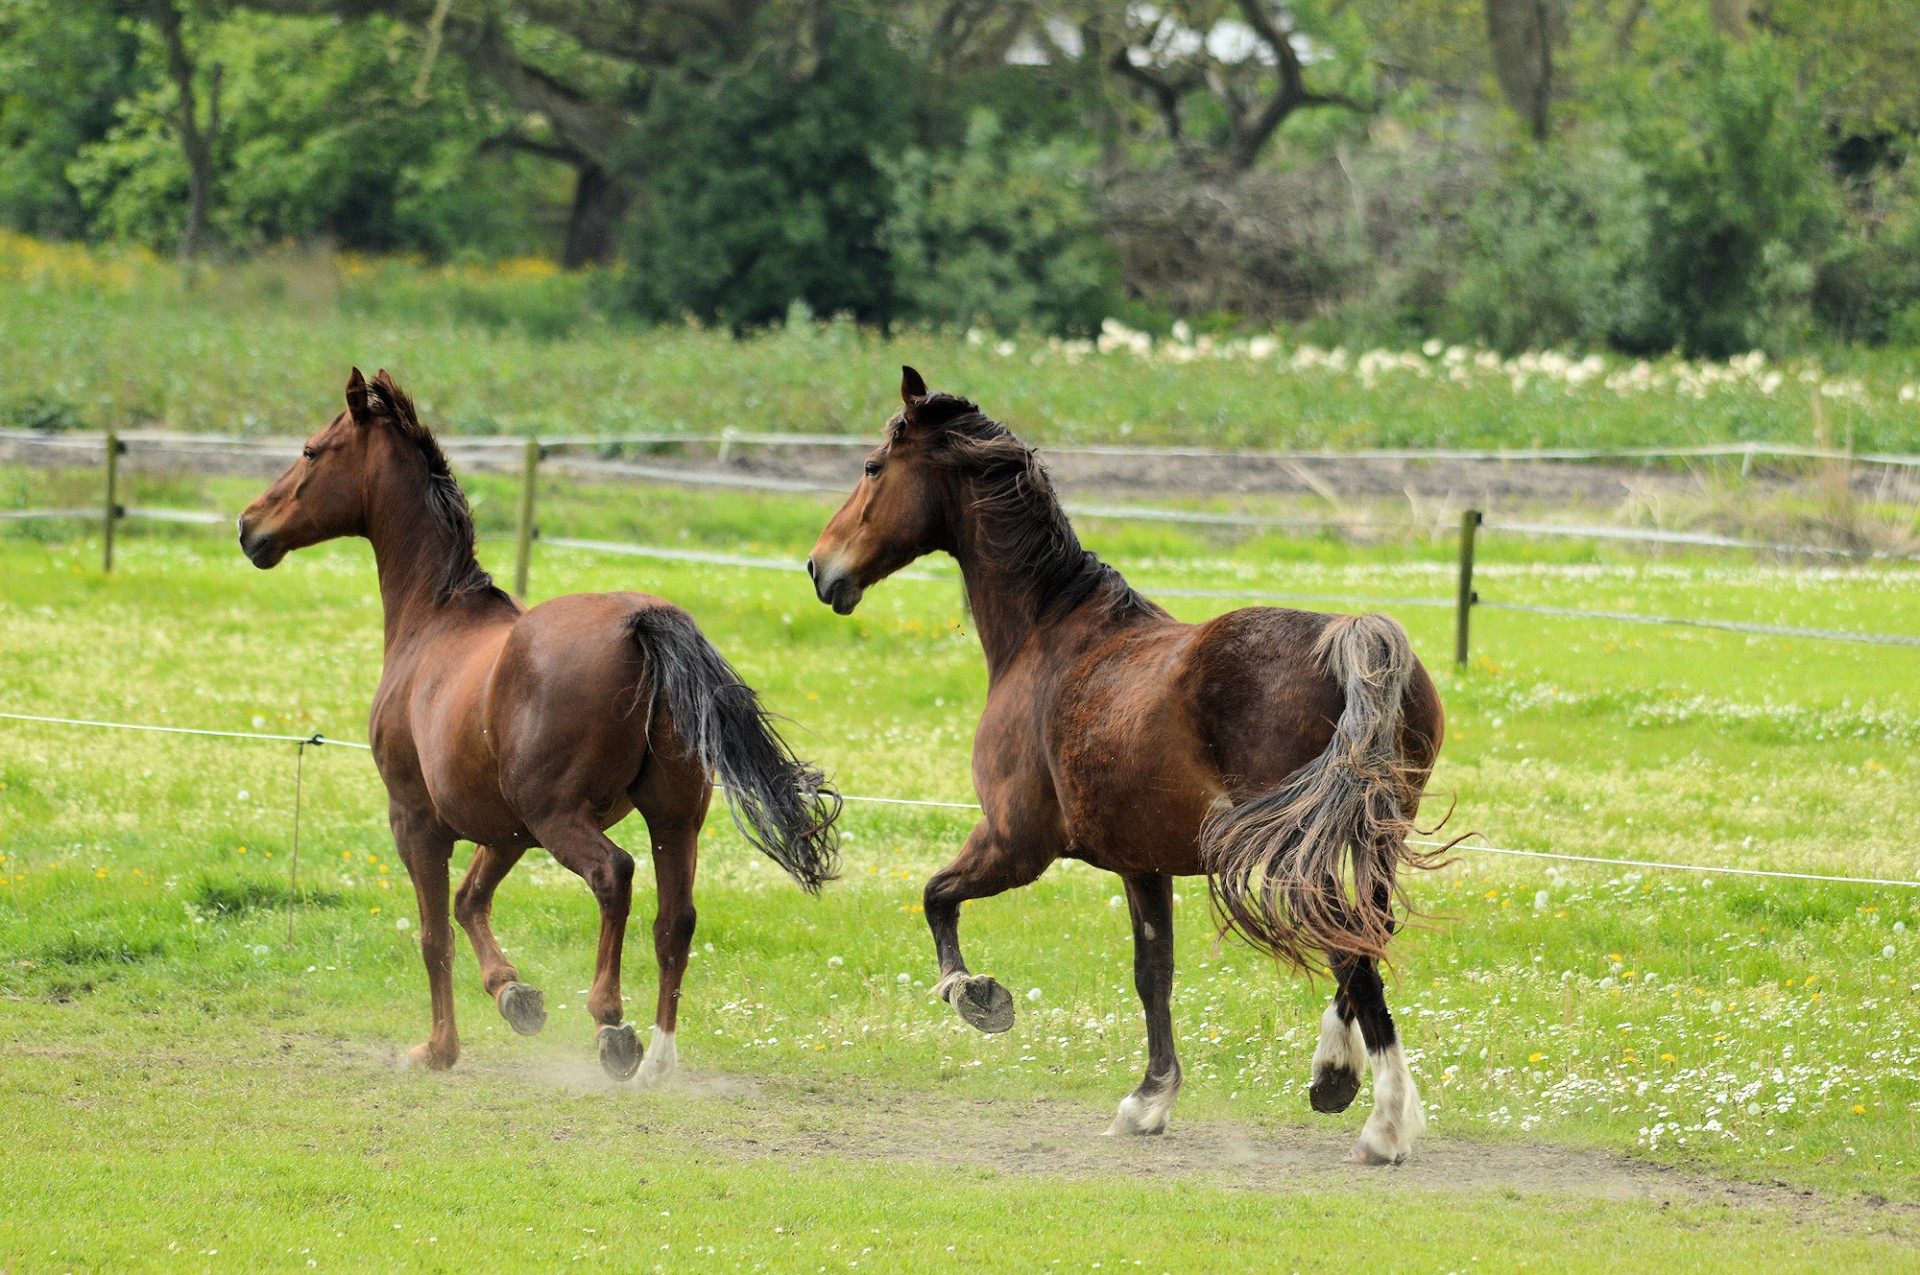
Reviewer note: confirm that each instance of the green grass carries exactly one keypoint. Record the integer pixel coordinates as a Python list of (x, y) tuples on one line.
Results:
[(102, 342), (242, 1090)]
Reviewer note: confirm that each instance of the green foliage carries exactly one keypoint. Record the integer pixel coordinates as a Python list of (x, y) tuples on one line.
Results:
[(1557, 254), (232, 898), (322, 137), (63, 70), (763, 186), (1001, 232), (1740, 200)]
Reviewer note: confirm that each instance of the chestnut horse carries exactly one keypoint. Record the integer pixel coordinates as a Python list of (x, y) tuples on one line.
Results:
[(515, 728), (1281, 753)]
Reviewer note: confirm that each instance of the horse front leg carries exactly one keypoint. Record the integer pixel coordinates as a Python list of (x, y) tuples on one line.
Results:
[(983, 868), (524, 1008), (1150, 903), (426, 848)]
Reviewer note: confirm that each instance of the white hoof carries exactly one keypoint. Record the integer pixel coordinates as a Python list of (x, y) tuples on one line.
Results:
[(1144, 1115), (661, 1062), (1398, 1119)]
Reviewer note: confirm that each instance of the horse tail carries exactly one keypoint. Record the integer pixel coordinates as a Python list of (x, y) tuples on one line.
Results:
[(1313, 866), (781, 804)]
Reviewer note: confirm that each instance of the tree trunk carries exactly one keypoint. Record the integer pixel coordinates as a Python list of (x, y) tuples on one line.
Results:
[(599, 201), (1520, 35), (1732, 18), (196, 143)]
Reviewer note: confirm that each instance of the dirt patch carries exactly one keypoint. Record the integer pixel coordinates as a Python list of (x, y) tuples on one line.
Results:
[(800, 1121)]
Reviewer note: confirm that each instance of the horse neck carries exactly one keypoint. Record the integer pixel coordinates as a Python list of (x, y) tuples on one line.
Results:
[(410, 550), (1009, 598)]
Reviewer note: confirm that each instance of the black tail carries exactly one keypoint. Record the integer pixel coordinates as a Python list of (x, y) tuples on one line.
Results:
[(780, 803), (1315, 864)]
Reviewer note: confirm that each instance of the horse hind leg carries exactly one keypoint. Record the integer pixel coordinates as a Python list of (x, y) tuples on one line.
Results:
[(1398, 1118), (1150, 902), (675, 854), (579, 845), (524, 1008)]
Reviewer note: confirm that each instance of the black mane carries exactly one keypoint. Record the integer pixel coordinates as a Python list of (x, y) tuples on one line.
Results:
[(446, 502), (1013, 497)]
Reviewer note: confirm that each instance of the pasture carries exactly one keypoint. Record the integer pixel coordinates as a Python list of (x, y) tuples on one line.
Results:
[(1621, 1066)]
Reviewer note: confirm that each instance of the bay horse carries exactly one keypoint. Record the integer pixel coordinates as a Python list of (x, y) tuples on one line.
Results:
[(515, 728), (1280, 753)]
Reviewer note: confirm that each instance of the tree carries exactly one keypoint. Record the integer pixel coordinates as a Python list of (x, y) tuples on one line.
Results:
[(196, 140), (1521, 35)]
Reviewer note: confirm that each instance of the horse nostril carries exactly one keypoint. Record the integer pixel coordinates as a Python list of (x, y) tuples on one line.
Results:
[(813, 572)]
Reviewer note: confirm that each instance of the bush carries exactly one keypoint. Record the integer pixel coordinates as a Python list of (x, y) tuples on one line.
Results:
[(999, 233), (762, 187), (1556, 252), (1740, 203), (1869, 285)]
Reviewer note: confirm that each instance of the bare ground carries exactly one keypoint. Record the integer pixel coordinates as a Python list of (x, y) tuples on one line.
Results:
[(798, 1121)]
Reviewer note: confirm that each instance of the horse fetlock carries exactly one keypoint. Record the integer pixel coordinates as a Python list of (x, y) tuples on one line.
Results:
[(524, 1007), (981, 1002), (620, 1050), (661, 1062), (1398, 1117), (434, 1055), (1144, 1111)]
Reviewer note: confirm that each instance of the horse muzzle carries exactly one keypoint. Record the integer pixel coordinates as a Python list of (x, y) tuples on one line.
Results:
[(262, 548), (835, 587)]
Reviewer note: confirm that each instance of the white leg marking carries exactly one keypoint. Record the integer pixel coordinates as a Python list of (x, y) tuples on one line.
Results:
[(943, 990), (662, 1060), (1144, 1115), (1340, 1043), (1398, 1118)]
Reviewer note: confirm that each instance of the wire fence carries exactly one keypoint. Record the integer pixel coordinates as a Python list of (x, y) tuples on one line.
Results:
[(316, 739), (1465, 601)]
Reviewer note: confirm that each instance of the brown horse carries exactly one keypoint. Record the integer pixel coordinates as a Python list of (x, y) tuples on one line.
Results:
[(515, 728), (1281, 753)]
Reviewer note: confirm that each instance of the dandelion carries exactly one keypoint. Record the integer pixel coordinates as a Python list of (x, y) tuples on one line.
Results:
[(1859, 1109), (1888, 951), (1535, 1057), (376, 911), (1033, 993), (903, 979), (402, 924)]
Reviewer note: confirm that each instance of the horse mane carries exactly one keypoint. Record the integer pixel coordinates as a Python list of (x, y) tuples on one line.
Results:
[(1024, 525), (446, 502)]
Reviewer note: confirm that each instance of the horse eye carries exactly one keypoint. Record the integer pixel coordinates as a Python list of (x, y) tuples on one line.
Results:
[(873, 469), (306, 453)]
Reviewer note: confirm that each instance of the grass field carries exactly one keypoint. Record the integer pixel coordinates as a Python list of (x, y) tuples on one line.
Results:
[(100, 341), (1621, 1067)]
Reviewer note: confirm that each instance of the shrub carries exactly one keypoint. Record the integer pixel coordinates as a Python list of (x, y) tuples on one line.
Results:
[(1000, 232)]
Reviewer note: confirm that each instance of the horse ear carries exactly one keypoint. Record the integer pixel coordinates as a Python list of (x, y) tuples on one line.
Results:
[(357, 405), (911, 387)]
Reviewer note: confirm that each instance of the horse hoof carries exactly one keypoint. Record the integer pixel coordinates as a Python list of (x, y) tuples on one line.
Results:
[(423, 1057), (1364, 1154), (984, 1004), (1333, 1089), (620, 1051), (524, 1008)]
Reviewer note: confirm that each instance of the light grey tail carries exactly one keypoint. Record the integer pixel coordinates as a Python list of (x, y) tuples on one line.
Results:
[(1313, 866), (780, 803)]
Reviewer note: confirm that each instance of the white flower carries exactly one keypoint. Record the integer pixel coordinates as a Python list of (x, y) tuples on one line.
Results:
[(403, 924), (835, 962), (1033, 993), (903, 979), (1889, 951)]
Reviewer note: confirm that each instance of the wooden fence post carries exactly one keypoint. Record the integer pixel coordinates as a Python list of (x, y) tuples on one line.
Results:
[(523, 552), (1463, 608), (112, 511)]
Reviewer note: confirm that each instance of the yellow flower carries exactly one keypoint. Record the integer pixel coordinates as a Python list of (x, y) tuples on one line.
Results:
[(1668, 1058), (243, 849), (376, 909), (1535, 1057), (1859, 1109)]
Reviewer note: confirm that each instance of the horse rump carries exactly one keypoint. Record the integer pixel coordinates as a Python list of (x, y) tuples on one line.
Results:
[(781, 804), (1313, 866)]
